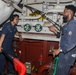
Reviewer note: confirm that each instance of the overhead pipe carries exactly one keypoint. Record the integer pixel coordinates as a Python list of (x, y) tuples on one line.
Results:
[(30, 18), (34, 3), (13, 4), (21, 10), (18, 8)]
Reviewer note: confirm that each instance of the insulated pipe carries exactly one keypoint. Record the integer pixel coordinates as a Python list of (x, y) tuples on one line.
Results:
[(30, 18), (12, 3), (18, 8), (43, 68), (58, 1)]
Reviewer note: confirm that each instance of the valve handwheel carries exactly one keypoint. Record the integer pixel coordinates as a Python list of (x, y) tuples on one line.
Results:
[(27, 27)]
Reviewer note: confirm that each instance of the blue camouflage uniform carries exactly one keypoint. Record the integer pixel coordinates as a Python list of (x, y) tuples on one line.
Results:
[(9, 31), (68, 46)]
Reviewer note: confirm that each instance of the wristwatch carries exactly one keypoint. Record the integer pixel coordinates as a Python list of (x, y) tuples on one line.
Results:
[(60, 50)]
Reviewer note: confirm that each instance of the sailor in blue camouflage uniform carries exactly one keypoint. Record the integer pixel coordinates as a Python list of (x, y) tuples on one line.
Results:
[(7, 35), (67, 42)]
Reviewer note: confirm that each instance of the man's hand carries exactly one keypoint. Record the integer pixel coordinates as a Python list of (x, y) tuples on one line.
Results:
[(1, 49), (20, 38), (56, 52), (52, 28)]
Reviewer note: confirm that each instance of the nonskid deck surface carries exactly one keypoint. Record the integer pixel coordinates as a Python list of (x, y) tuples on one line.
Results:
[(10, 74), (5, 73)]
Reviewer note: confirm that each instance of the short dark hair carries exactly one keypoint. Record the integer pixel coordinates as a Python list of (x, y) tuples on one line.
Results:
[(13, 16), (71, 7)]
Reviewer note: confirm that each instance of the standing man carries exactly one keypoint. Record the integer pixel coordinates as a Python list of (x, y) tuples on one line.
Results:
[(7, 35), (67, 42)]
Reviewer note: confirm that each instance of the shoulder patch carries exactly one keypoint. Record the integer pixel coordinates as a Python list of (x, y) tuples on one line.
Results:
[(70, 33)]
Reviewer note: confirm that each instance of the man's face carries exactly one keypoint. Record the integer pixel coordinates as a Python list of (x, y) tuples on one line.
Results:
[(65, 15), (16, 19)]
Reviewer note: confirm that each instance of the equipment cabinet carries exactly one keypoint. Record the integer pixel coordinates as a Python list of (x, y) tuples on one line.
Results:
[(35, 52)]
